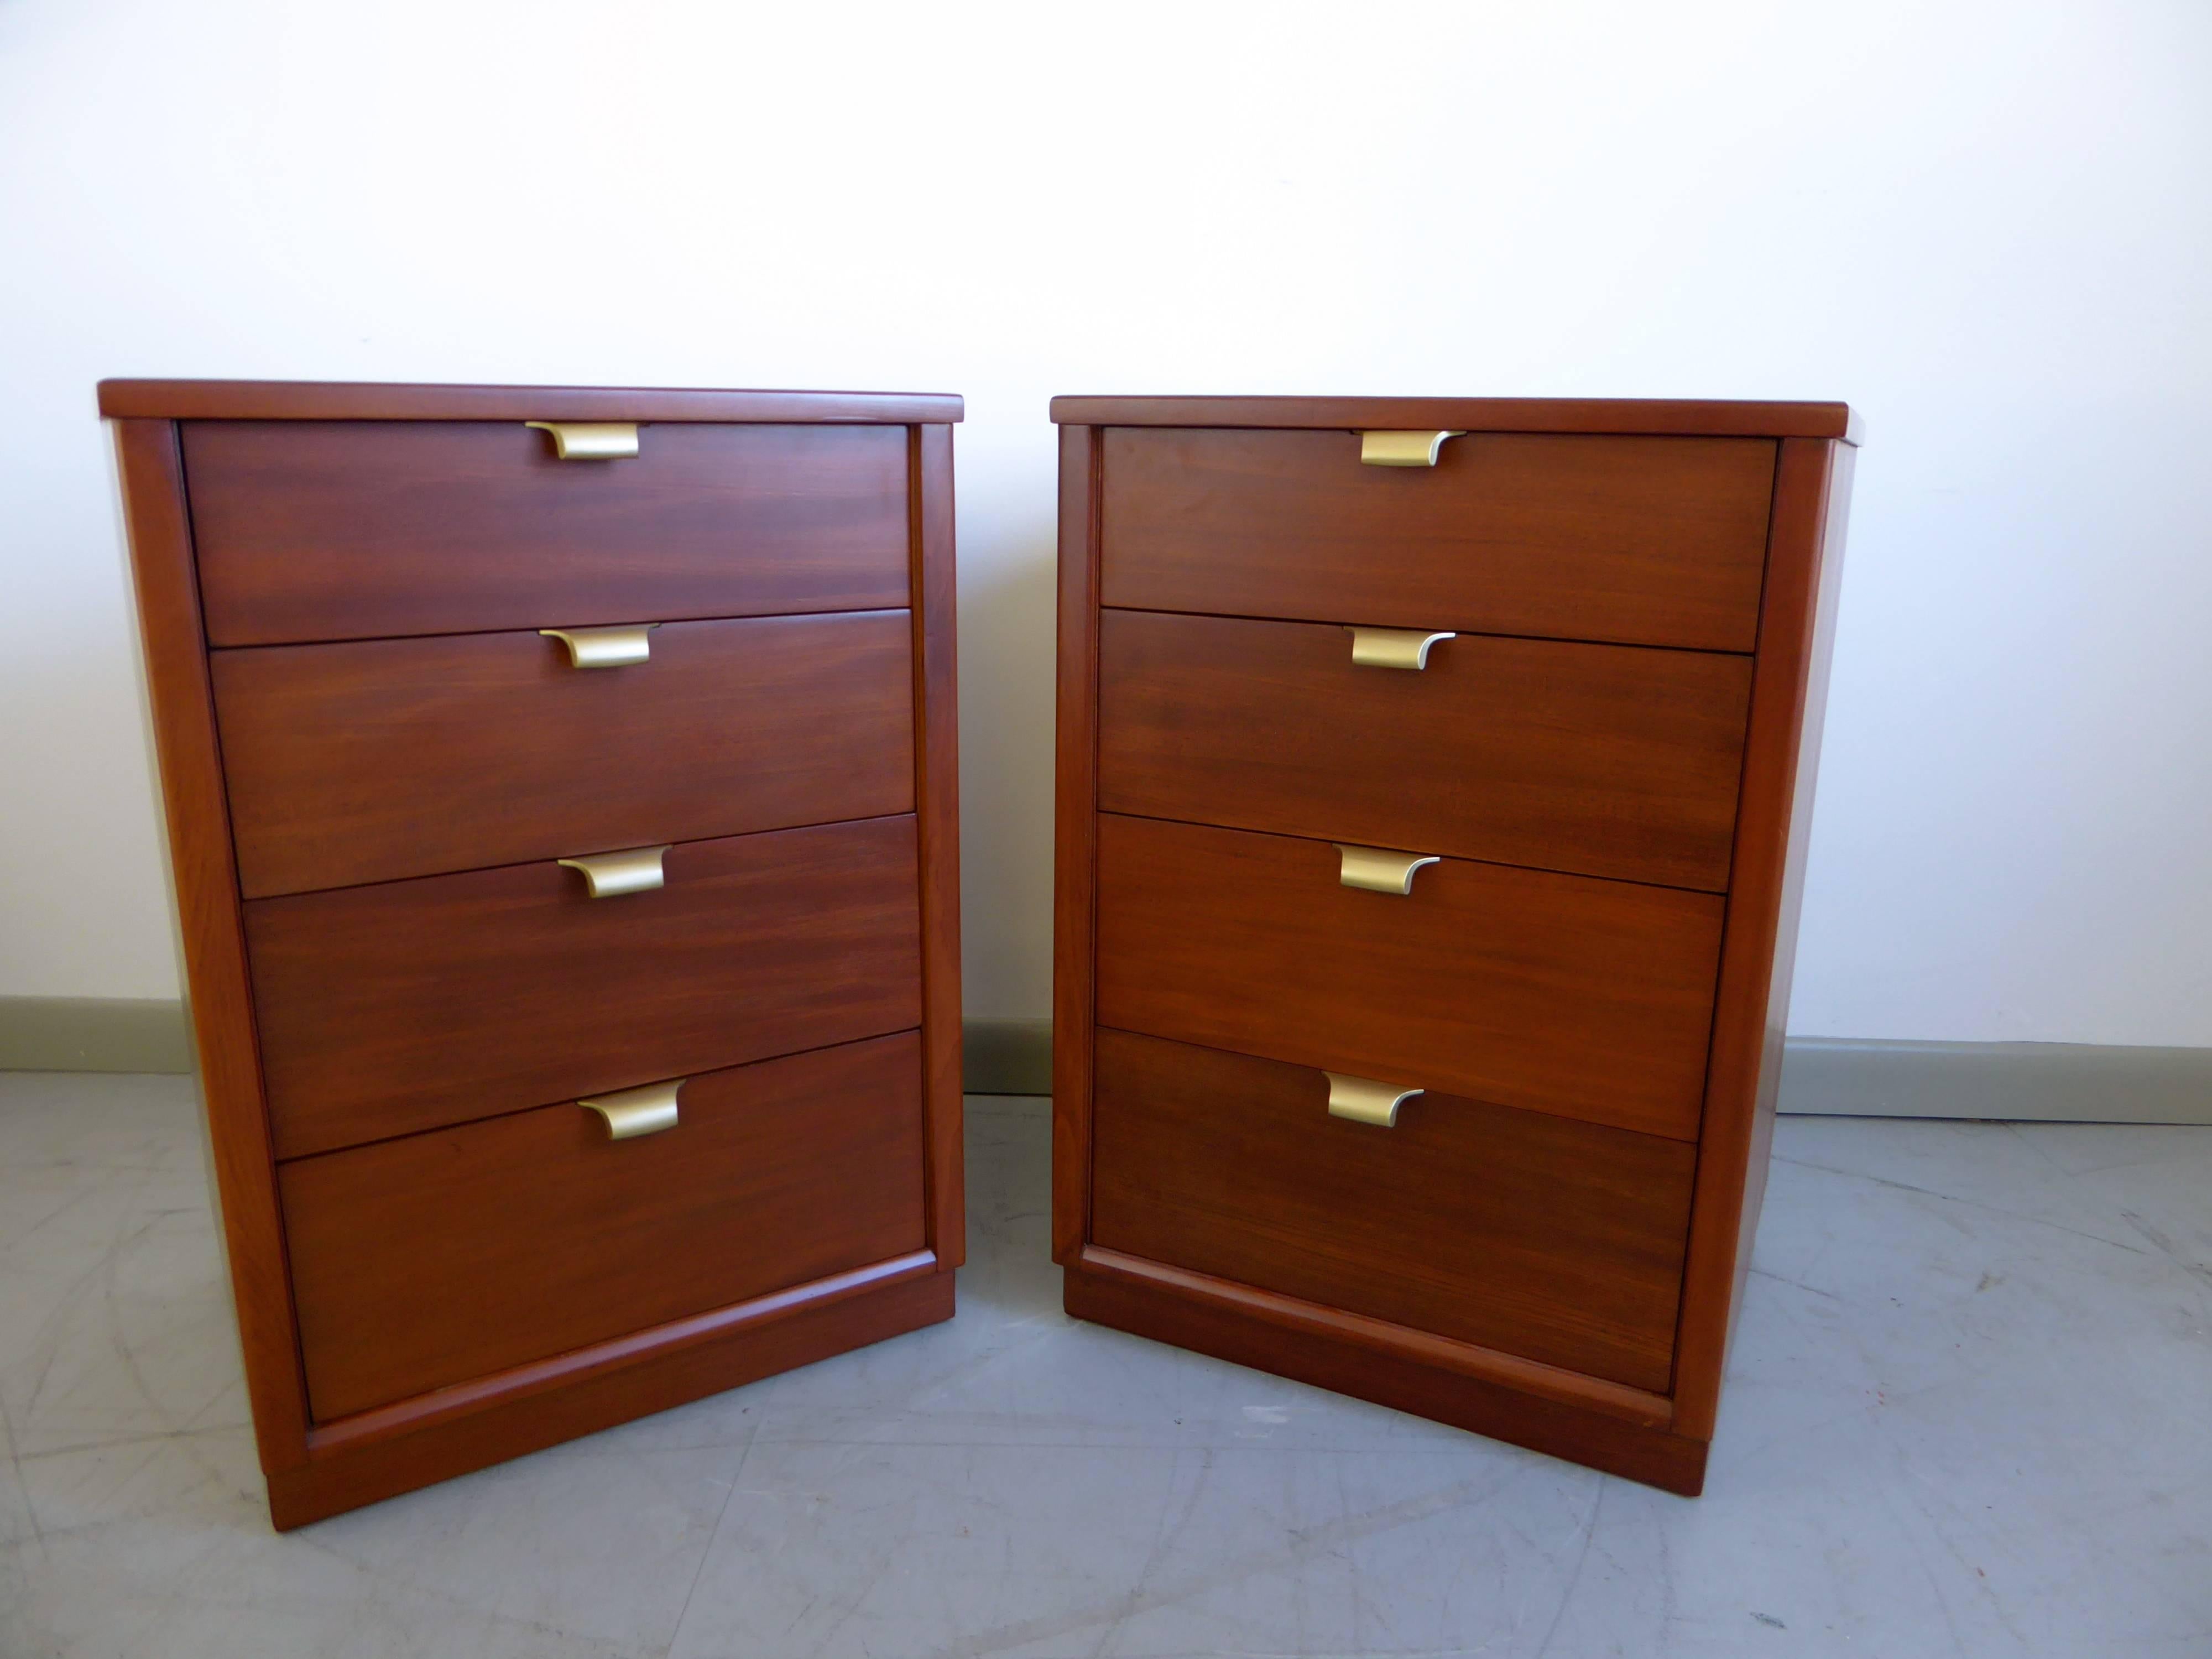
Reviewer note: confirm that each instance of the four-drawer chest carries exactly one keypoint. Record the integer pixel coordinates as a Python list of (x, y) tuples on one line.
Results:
[(1433, 783), (561, 792)]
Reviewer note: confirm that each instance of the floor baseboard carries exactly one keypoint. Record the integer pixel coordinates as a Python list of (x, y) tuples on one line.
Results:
[(1851, 1077), (94, 1034), (2014, 1082), (1006, 1056)]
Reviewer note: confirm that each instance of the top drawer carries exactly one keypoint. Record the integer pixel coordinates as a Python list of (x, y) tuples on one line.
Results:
[(1644, 541), (326, 530)]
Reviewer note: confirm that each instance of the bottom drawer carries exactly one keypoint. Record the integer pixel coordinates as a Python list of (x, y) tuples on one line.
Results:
[(1536, 1235), (439, 1257)]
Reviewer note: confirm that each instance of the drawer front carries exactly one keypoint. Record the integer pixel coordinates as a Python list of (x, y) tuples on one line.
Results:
[(391, 1009), (387, 758), (1646, 541), (439, 1257), (1589, 999), (1558, 1240), (1606, 760), (325, 529)]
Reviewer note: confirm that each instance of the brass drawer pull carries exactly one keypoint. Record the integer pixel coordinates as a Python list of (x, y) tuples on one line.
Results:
[(1379, 871), (1393, 647), (1402, 448), (605, 647), (610, 875), (1363, 1100), (591, 441), (634, 1112)]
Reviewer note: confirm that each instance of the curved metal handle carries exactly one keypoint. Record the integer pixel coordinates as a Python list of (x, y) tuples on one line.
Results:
[(634, 1112), (1394, 647), (1363, 1100), (591, 441), (610, 875), (1379, 871), (1402, 448), (605, 647)]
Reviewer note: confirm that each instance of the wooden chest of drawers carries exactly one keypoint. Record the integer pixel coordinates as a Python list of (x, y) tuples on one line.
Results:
[(1433, 783), (566, 860)]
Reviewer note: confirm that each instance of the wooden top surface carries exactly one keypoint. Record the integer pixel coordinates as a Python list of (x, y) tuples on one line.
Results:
[(1637, 416), (312, 400)]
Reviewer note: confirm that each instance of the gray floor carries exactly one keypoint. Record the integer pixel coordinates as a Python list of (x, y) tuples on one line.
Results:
[(1971, 1412)]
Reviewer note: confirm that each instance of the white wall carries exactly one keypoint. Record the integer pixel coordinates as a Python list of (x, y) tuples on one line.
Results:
[(1988, 226)]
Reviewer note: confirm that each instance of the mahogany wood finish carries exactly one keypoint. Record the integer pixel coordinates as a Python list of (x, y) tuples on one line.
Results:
[(1558, 1240), (386, 1010), (1811, 505), (356, 530), (334, 751), (793, 1218), (357, 400), (1381, 1337), (359, 1459), (937, 827), (1591, 1000), (1646, 541), (198, 818), (1202, 1194), (1603, 417), (1370, 1360), (1604, 760), (534, 1233), (1075, 846)]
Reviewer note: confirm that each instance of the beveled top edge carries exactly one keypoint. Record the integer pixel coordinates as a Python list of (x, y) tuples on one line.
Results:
[(339, 400), (1651, 416)]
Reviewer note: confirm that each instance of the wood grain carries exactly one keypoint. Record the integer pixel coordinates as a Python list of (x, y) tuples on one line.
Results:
[(371, 513), (1713, 527), (391, 1009), (1602, 760), (1573, 1417), (308, 400), (359, 1460), (350, 530), (429, 1260), (1642, 541), (1619, 417), (937, 795), (214, 947), (1592, 1000), (1075, 842), (1782, 761), (1381, 1338), (441, 1407), (383, 759), (1559, 1241)]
